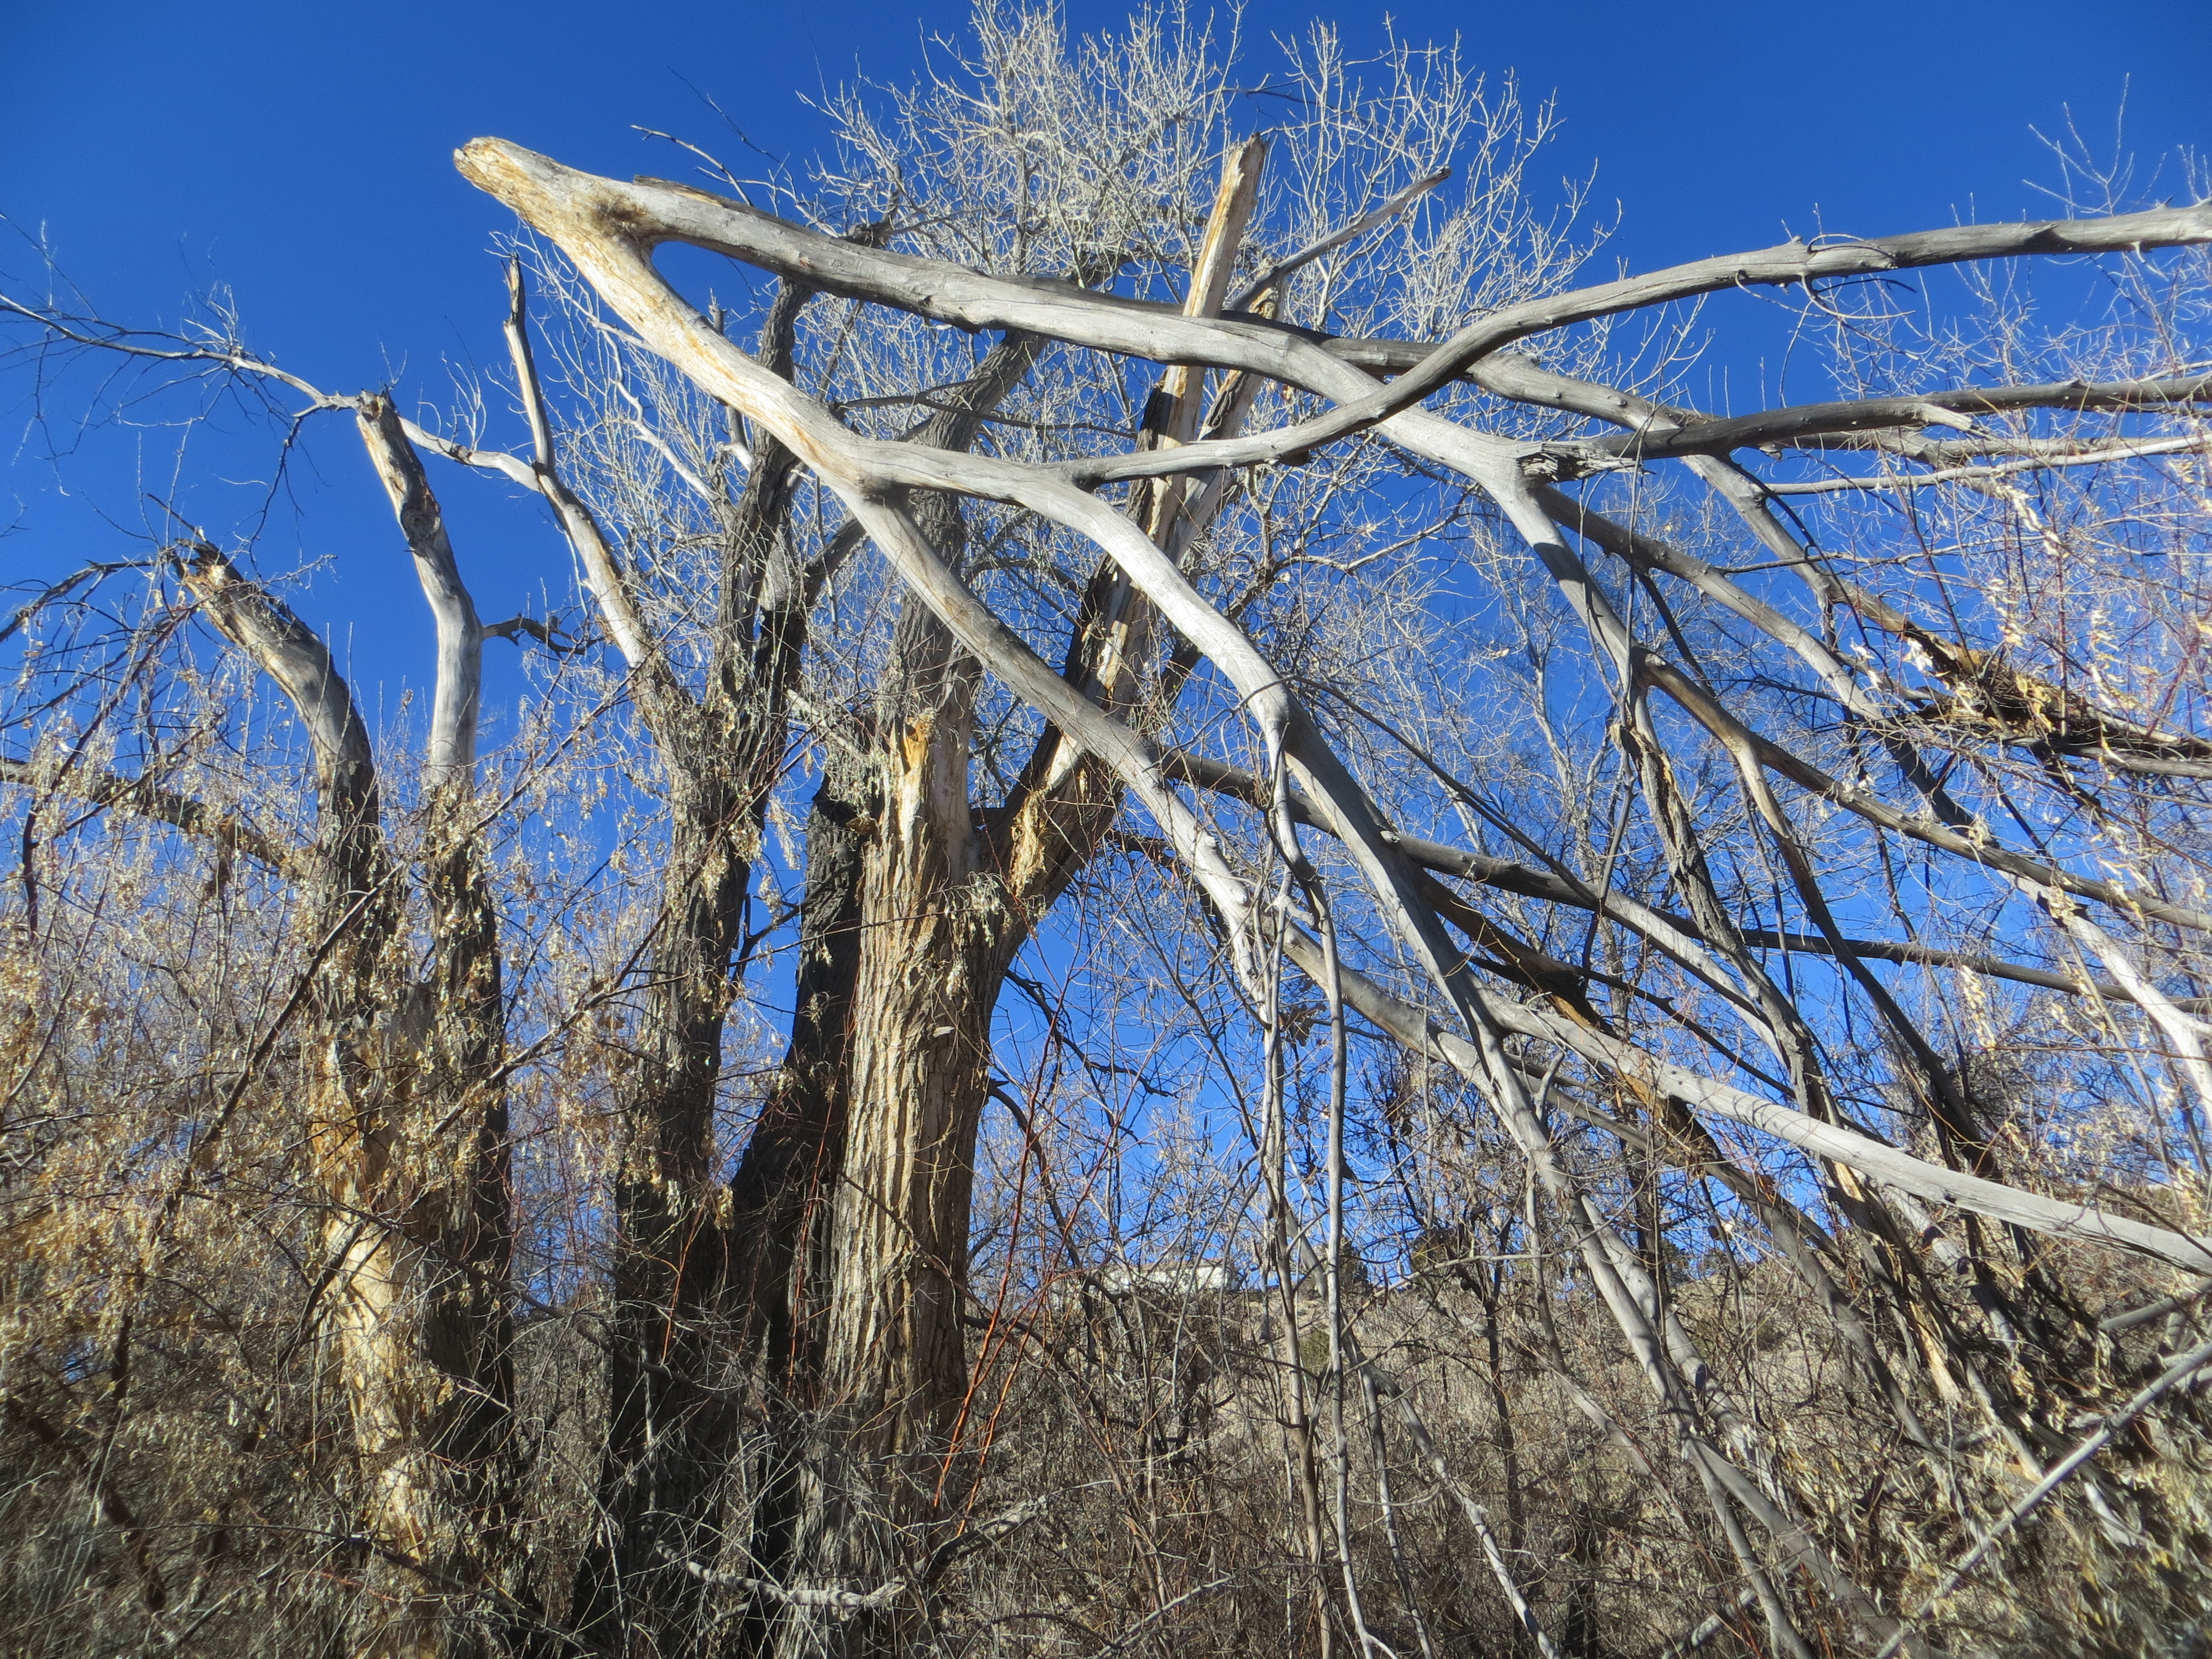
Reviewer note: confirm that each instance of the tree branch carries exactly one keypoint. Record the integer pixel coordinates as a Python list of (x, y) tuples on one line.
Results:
[(452, 752), (115, 793)]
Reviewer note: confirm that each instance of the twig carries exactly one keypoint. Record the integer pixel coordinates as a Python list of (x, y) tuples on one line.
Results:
[(1275, 273)]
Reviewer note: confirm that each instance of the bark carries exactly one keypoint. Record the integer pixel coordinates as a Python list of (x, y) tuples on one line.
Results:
[(407, 1133), (867, 1164), (781, 1195), (457, 1217), (671, 1355), (932, 924), (945, 899)]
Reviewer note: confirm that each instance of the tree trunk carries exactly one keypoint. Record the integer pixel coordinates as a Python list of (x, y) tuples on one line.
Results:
[(941, 899), (782, 1196), (666, 1361), (406, 1131), (893, 1364), (673, 1362), (411, 1144), (947, 896)]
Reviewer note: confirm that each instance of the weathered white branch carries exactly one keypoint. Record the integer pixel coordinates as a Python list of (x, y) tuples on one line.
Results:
[(648, 213), (603, 572), (1812, 421), (289, 652), (802, 1595), (1477, 1517), (1791, 263), (450, 756), (1830, 1141), (2096, 456)]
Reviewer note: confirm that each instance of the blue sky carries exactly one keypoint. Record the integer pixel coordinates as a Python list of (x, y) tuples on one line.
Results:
[(300, 154)]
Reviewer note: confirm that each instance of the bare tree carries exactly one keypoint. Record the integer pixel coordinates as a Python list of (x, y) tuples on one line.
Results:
[(1731, 1150), (392, 1076)]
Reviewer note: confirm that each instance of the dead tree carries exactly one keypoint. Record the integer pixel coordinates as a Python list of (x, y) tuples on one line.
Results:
[(395, 1082), (1069, 522), (609, 229)]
